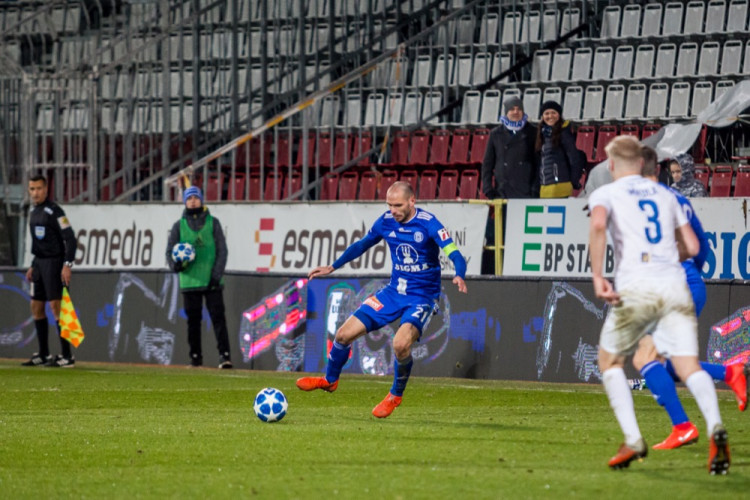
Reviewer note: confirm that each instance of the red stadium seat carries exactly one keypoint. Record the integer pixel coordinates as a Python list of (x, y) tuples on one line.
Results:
[(400, 149), (325, 150), (631, 129), (721, 181), (467, 187), (250, 152), (428, 185), (348, 186), (386, 179), (448, 185), (292, 185), (742, 182), (362, 144), (439, 147), (420, 148), (479, 140), (585, 136), (460, 147), (283, 150), (702, 173), (253, 187), (329, 187), (368, 184), (604, 136), (650, 129), (274, 186), (237, 185), (411, 177), (214, 186), (310, 155), (342, 150)]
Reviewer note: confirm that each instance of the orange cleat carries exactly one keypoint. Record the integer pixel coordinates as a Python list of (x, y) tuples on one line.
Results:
[(679, 437), (387, 406), (312, 383), (626, 454), (736, 379), (718, 452)]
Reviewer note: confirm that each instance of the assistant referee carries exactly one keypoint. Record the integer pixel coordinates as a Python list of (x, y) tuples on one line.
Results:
[(53, 245)]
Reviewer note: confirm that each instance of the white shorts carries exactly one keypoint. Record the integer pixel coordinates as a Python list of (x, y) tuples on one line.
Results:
[(663, 306)]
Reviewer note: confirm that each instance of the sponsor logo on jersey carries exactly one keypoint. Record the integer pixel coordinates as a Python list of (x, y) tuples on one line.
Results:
[(39, 232), (443, 233), (64, 222), (402, 230), (373, 302), (418, 237)]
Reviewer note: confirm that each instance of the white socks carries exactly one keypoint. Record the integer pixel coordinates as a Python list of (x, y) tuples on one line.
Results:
[(621, 400), (701, 385)]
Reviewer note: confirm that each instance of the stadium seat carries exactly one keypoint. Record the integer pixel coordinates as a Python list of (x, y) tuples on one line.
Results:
[(253, 187), (742, 182), (362, 143), (274, 186), (324, 154), (604, 136), (400, 149), (283, 150), (348, 183), (428, 185), (460, 147), (419, 148), (368, 184), (702, 173), (342, 150), (650, 129), (448, 185), (307, 158), (585, 136), (292, 184), (214, 186), (631, 129), (237, 186), (479, 140), (411, 177), (467, 187), (439, 147), (736, 16), (386, 179), (631, 21), (721, 181), (329, 187)]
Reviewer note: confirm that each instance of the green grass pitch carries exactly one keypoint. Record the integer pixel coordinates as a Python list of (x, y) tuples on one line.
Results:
[(124, 431)]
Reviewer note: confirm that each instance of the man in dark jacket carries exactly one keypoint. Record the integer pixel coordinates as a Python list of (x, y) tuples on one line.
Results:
[(509, 167), (53, 246), (203, 277)]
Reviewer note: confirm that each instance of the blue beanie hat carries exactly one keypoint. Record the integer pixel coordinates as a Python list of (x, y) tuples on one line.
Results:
[(192, 191)]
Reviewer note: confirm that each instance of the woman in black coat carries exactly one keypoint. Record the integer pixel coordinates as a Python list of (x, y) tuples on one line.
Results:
[(560, 162)]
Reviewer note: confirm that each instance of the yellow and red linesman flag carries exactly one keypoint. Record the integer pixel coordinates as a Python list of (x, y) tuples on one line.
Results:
[(70, 327)]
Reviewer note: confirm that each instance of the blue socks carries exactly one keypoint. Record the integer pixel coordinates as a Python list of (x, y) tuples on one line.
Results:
[(658, 380), (401, 372), (337, 358), (717, 372)]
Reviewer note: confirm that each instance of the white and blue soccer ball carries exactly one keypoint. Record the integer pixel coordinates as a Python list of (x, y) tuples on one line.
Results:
[(183, 252), (270, 405)]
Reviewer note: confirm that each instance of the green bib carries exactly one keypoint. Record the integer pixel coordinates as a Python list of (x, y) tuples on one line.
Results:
[(198, 272)]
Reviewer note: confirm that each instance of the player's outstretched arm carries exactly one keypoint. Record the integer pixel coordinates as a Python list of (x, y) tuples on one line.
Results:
[(461, 284), (320, 271)]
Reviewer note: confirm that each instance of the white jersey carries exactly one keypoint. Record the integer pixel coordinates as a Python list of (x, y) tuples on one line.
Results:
[(642, 217)]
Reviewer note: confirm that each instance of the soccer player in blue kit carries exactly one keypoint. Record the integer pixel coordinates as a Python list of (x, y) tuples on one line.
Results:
[(660, 374), (414, 238)]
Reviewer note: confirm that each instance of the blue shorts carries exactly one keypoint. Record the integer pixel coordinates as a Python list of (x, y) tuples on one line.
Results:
[(387, 305)]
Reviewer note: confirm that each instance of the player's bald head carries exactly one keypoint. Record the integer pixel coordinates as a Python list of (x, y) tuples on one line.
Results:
[(402, 188)]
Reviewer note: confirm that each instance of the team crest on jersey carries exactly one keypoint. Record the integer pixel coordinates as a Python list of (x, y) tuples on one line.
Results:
[(64, 222), (443, 233), (407, 254), (418, 237), (373, 302), (39, 232)]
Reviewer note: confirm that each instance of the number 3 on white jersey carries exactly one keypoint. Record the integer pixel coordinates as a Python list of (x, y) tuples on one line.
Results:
[(401, 288)]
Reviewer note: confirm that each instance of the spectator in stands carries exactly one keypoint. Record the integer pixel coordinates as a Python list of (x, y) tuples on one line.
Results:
[(202, 277), (682, 169), (560, 162), (509, 166)]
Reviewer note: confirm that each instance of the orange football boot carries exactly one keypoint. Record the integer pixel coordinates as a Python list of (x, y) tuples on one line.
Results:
[(626, 454), (386, 407), (312, 383), (682, 435)]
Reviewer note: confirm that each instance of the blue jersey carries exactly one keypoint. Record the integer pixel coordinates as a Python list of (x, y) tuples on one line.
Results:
[(693, 266), (415, 246)]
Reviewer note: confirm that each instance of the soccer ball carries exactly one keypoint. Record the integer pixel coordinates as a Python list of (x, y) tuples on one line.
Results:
[(183, 252), (270, 405)]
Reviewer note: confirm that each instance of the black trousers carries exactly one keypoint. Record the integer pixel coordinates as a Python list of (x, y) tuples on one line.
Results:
[(194, 309)]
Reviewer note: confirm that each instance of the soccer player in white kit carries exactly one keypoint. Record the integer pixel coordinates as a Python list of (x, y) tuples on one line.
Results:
[(647, 226)]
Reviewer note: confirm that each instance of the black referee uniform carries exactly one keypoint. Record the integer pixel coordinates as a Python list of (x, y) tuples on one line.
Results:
[(53, 245)]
